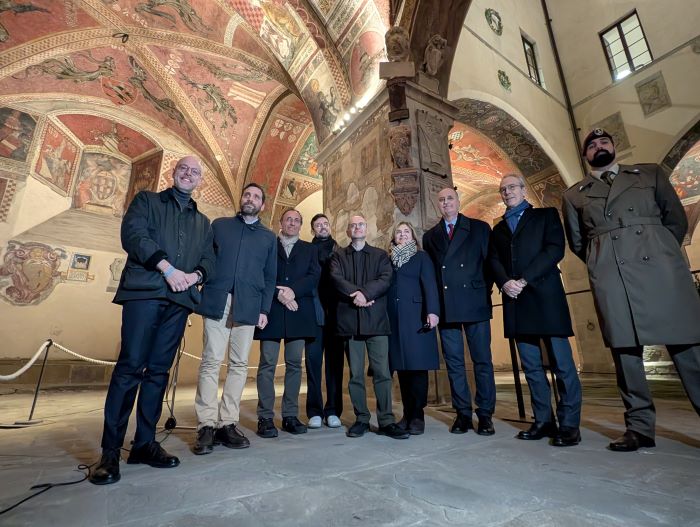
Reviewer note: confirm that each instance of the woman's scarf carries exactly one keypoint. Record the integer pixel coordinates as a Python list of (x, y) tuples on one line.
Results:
[(400, 254)]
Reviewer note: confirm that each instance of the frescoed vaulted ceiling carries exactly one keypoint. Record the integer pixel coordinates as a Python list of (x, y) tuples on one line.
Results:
[(242, 83)]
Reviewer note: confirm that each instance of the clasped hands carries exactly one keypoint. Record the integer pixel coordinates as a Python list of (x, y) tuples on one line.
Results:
[(359, 299), (514, 287), (287, 297), (176, 279)]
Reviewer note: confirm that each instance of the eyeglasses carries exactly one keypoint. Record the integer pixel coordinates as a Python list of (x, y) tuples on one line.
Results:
[(509, 188), (357, 225), (184, 169)]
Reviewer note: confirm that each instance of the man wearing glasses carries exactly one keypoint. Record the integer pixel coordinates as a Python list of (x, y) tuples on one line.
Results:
[(169, 252), (361, 275)]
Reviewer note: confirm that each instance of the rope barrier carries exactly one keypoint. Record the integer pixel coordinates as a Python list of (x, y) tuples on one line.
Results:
[(49, 342), (29, 364)]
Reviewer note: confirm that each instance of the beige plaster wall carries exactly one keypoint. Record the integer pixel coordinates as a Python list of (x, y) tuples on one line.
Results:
[(481, 53)]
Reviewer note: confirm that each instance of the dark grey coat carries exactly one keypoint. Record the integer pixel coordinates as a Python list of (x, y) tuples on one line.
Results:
[(154, 228), (374, 283), (629, 235), (532, 252), (246, 263)]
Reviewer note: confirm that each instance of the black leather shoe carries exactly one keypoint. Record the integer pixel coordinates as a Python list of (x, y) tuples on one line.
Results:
[(358, 429), (293, 425), (231, 437), (462, 424), (266, 428), (567, 436), (402, 423), (393, 431), (416, 427), (631, 441), (107, 471), (154, 455), (485, 426), (204, 444), (538, 431)]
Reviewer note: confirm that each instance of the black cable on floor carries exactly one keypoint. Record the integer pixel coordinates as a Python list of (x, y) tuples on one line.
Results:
[(48, 486)]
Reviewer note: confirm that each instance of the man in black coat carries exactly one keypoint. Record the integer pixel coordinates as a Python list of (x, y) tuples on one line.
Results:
[(236, 301), (458, 247), (169, 251), (292, 318), (525, 250), (361, 275), (326, 346)]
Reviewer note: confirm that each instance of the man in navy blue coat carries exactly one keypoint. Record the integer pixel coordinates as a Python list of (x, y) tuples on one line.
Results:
[(292, 319), (233, 304), (458, 247), (525, 250)]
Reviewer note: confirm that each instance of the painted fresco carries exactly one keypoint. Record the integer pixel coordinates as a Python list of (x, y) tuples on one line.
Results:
[(115, 137), (25, 20), (364, 62), (16, 133), (8, 188), (29, 272), (324, 105), (685, 177), (57, 158), (102, 184), (144, 176), (305, 164)]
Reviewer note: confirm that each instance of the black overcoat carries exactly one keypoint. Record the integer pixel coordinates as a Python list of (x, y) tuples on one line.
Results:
[(462, 276), (412, 295), (374, 283), (301, 272), (532, 252)]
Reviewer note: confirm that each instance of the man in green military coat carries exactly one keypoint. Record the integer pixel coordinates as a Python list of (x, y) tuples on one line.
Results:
[(627, 223)]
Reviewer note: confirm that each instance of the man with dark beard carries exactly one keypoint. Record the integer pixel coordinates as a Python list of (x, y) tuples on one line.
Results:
[(326, 345), (236, 301), (627, 223)]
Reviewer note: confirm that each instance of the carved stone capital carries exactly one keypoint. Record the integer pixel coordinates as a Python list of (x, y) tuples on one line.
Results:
[(406, 189)]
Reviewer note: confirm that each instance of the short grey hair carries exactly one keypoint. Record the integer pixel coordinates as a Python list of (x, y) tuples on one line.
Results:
[(516, 176)]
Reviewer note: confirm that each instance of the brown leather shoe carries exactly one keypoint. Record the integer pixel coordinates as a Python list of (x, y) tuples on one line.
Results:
[(631, 441)]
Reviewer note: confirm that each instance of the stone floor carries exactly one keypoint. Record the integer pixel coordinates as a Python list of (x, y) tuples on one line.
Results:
[(325, 478)]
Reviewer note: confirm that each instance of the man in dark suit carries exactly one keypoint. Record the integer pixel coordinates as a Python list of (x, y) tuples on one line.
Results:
[(169, 251), (234, 303), (627, 223), (525, 250), (292, 319), (361, 275), (458, 247)]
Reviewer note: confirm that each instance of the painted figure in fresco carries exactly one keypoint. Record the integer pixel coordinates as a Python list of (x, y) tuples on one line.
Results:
[(32, 270), (219, 103), (170, 251), (280, 18), (471, 154), (57, 166), (244, 73), (165, 105), (327, 104), (16, 9), (66, 69), (627, 224), (16, 133), (184, 10)]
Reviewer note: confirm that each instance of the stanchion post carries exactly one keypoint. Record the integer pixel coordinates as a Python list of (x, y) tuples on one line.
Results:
[(516, 378), (38, 383)]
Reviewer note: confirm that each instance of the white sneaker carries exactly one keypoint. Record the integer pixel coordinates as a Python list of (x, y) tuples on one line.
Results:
[(315, 422), (333, 422)]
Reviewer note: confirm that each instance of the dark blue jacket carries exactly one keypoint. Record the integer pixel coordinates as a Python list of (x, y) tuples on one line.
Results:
[(463, 277), (246, 258), (412, 295), (301, 272), (155, 228)]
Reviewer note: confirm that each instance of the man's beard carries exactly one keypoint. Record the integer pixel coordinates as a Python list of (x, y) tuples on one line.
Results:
[(323, 236), (602, 158), (248, 209)]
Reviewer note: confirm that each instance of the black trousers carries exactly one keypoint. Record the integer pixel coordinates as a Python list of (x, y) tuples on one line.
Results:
[(414, 393), (331, 348), (151, 333)]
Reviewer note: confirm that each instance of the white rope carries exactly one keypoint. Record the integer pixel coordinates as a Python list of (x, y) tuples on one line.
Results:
[(24, 368), (69, 352), (82, 357)]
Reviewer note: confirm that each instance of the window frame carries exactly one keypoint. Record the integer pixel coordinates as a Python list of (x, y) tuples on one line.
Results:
[(527, 41), (625, 47)]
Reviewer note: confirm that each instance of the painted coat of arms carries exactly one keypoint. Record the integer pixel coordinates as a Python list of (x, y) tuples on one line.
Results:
[(29, 272)]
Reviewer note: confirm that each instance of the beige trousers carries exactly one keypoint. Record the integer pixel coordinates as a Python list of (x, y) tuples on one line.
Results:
[(220, 335)]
